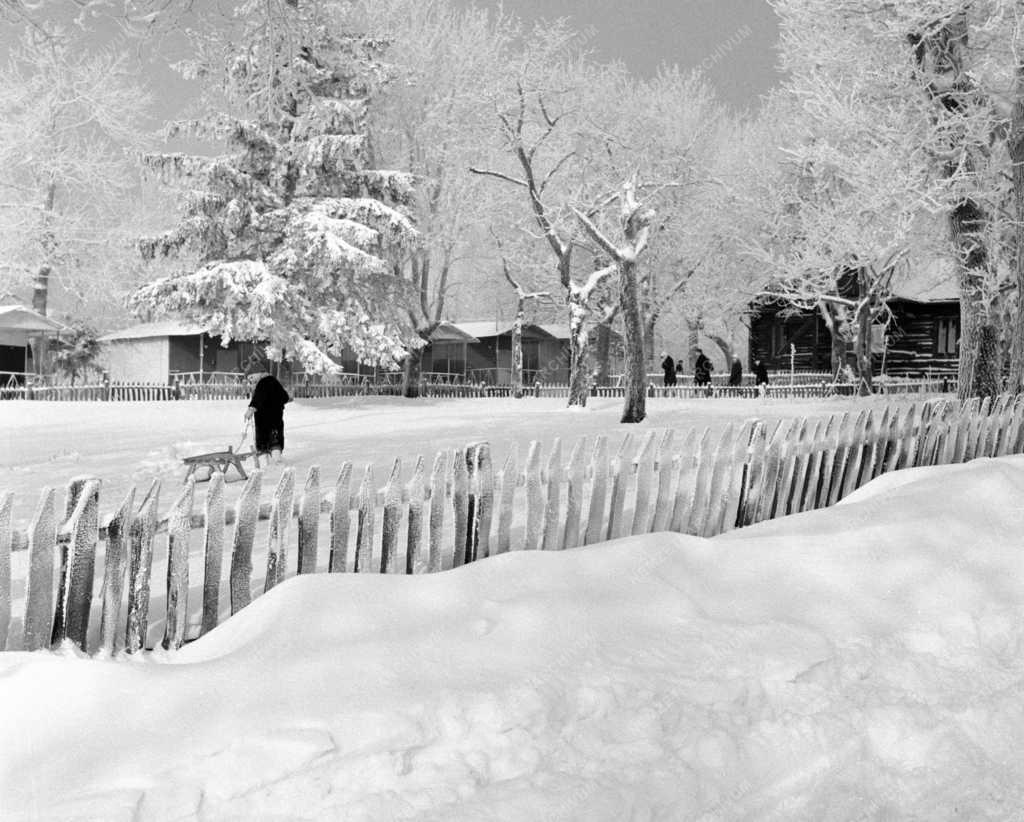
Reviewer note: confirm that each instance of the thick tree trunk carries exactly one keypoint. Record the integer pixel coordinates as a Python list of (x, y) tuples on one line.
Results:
[(724, 347), (634, 408), (1015, 144), (837, 344), (987, 368), (412, 369), (517, 353), (579, 384), (649, 355), (602, 352), (967, 222), (40, 298)]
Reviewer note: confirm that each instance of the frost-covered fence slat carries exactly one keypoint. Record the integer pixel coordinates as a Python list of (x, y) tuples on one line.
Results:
[(598, 491), (438, 485), (72, 495), (140, 567), (710, 514), (620, 473), (685, 470), (506, 499), (574, 494), (6, 504), (79, 577), (415, 557), (736, 476), (551, 539), (644, 486), (788, 457), (114, 570), (773, 461), (859, 440), (246, 511), (460, 507), (534, 498), (309, 522), (42, 546), (754, 478), (277, 533), (484, 500), (178, 530), (364, 523), (833, 464), (693, 485), (339, 520), (213, 551), (805, 446), (392, 520), (665, 471), (816, 477)]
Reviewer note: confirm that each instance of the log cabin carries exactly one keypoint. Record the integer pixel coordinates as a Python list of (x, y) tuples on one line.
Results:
[(921, 339)]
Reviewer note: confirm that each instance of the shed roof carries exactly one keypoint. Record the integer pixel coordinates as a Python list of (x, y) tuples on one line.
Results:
[(163, 328), (20, 318), (930, 281), (450, 332), (483, 329)]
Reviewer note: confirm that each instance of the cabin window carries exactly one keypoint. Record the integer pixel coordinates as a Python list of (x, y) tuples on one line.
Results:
[(947, 336)]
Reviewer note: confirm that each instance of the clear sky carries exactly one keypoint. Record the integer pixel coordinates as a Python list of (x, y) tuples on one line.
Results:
[(734, 39)]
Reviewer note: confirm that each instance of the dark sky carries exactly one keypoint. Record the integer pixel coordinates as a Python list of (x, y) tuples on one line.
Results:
[(735, 39)]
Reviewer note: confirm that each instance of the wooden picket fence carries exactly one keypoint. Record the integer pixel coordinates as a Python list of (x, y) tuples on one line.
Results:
[(458, 510)]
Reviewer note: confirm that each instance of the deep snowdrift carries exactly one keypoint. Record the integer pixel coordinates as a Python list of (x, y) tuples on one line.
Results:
[(862, 662)]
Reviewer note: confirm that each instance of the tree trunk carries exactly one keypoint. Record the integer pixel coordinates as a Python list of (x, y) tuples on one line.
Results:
[(967, 221), (649, 323), (837, 344), (40, 298), (634, 408), (579, 384), (517, 352), (1015, 144), (412, 369), (603, 351), (863, 338), (987, 368)]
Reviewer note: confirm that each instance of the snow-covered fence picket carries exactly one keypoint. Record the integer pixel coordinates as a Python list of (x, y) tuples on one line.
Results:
[(168, 580)]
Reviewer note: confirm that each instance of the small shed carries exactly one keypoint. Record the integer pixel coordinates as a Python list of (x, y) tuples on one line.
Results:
[(18, 325), (158, 352)]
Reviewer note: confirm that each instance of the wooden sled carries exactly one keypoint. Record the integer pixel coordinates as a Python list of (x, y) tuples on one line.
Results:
[(218, 461)]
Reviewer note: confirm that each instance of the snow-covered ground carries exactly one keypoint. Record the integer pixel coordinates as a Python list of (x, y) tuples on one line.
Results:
[(47, 443), (864, 662)]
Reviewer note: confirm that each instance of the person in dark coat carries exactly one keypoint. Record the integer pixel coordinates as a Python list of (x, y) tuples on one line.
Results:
[(736, 372), (702, 369), (266, 409), (760, 373), (668, 365)]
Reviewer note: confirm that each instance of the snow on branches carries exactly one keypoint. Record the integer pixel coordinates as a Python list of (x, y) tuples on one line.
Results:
[(288, 238)]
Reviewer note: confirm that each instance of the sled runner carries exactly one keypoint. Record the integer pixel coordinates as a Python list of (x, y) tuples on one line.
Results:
[(221, 460)]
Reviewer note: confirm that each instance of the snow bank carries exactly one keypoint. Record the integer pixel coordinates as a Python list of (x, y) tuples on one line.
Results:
[(862, 662)]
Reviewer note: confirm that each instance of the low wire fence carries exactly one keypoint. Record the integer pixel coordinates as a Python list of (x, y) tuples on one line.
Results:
[(456, 509)]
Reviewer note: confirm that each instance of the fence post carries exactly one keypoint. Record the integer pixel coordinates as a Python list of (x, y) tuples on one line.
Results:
[(114, 567), (536, 389), (106, 386), (179, 523), (77, 580), (141, 533), (71, 499)]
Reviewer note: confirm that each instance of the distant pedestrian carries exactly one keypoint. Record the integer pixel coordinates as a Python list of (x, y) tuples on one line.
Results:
[(266, 409), (668, 365), (702, 369), (736, 372), (760, 373)]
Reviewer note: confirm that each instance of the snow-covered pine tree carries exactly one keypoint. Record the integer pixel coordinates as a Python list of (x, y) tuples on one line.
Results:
[(290, 238)]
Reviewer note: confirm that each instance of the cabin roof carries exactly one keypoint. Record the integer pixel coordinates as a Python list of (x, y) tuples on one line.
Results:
[(20, 318), (163, 328), (931, 282)]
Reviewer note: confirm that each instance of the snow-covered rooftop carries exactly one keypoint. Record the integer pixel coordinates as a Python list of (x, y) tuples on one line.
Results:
[(163, 328), (20, 318)]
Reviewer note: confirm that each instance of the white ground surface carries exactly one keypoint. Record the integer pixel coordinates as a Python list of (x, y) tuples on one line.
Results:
[(47, 443), (863, 662)]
